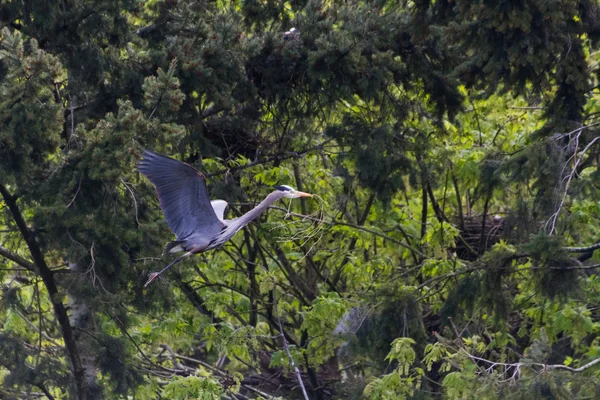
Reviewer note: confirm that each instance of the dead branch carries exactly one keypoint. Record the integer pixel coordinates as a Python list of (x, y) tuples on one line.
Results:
[(287, 349), (593, 247)]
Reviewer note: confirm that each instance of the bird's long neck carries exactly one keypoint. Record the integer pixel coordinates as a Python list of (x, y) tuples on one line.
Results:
[(259, 209), (236, 224)]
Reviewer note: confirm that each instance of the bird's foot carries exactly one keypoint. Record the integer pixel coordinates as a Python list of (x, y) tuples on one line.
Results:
[(151, 277)]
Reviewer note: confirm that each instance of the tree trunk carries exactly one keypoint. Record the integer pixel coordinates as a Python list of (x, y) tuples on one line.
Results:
[(82, 320)]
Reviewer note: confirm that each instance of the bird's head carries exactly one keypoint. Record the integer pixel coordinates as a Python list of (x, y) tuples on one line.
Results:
[(290, 192)]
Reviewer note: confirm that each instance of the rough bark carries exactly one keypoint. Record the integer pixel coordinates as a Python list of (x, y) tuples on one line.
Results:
[(82, 321)]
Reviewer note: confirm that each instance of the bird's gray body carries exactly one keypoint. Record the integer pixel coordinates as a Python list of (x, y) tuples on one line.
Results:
[(197, 222)]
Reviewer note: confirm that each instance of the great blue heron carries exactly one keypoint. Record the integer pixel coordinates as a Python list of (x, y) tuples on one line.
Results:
[(197, 222)]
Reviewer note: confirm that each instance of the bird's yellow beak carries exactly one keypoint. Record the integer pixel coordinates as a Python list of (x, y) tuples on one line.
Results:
[(302, 194)]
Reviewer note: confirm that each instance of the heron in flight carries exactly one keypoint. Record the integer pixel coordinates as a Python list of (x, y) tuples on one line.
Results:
[(197, 222)]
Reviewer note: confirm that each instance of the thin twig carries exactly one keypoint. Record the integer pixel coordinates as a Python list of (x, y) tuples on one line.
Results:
[(285, 346), (31, 324), (526, 108), (76, 193), (361, 228), (135, 206), (552, 221)]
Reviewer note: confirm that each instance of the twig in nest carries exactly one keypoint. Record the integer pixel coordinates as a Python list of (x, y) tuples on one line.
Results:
[(308, 233)]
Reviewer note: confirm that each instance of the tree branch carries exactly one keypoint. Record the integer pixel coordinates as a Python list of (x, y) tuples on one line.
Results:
[(48, 277), (518, 365), (194, 298), (17, 259), (359, 227), (287, 349), (279, 157), (570, 369), (593, 247)]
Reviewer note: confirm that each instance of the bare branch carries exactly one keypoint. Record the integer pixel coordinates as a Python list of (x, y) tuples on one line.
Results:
[(287, 349), (76, 193), (135, 205), (593, 247), (570, 369), (17, 259), (525, 108), (168, 348), (551, 223), (518, 365)]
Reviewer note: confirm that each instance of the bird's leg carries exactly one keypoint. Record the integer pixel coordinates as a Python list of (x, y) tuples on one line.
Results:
[(288, 210), (155, 275)]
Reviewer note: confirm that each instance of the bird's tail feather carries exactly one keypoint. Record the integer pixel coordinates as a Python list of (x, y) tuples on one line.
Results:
[(173, 247)]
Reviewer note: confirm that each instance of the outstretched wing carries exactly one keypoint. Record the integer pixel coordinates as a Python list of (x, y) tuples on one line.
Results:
[(182, 194)]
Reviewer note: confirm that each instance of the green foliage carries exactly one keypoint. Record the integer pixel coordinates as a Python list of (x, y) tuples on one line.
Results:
[(161, 92), (401, 383), (402, 353), (26, 108), (319, 321), (553, 267), (192, 387), (379, 154), (453, 153)]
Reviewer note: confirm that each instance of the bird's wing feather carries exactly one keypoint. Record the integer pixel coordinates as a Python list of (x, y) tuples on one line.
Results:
[(219, 206), (182, 194)]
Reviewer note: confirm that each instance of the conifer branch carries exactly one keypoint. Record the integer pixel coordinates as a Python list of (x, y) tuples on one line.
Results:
[(14, 257), (275, 157), (42, 334), (48, 277), (510, 269)]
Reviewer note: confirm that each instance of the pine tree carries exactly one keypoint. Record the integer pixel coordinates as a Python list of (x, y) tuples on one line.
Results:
[(370, 105)]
